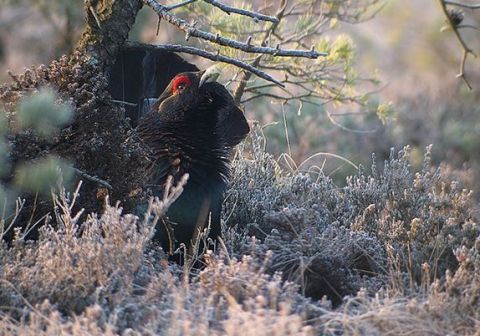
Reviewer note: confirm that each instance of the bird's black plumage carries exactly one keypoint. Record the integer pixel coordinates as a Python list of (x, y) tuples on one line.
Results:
[(192, 129)]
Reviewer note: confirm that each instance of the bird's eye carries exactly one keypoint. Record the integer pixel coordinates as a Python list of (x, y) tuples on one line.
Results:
[(180, 83)]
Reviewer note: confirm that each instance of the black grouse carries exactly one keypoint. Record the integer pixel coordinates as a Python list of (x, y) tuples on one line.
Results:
[(192, 129)]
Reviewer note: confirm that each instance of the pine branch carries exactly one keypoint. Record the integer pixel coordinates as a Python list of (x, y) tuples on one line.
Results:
[(228, 9), (190, 30), (205, 54)]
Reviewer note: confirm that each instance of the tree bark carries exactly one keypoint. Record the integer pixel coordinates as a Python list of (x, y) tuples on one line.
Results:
[(108, 25)]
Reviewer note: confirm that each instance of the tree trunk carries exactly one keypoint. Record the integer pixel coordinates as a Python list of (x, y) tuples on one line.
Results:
[(99, 143), (108, 25)]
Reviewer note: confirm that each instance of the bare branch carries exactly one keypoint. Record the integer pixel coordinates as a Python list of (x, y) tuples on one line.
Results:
[(228, 9), (454, 27), (216, 38), (461, 74), (180, 4), (316, 83), (208, 55), (123, 102), (95, 179), (460, 4), (463, 26), (237, 95)]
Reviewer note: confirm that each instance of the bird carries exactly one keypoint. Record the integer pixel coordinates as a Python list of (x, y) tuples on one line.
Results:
[(192, 129)]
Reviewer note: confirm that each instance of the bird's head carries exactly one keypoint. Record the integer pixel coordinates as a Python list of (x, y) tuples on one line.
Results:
[(184, 92), (196, 103)]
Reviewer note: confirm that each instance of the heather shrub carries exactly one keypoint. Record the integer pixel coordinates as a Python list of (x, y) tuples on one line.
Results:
[(377, 230), (75, 265), (228, 297), (421, 217), (393, 251), (46, 320), (449, 307)]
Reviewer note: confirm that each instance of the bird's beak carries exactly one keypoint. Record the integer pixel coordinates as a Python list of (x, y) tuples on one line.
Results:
[(209, 75)]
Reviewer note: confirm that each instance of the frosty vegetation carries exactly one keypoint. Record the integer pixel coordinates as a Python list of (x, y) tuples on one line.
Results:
[(393, 250), (390, 250)]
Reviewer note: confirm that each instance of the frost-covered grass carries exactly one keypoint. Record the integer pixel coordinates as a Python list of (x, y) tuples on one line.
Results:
[(392, 252)]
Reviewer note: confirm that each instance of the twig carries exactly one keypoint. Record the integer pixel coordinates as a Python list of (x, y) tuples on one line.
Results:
[(209, 55), (228, 9), (466, 49), (459, 4), (348, 129), (19, 204), (463, 26), (180, 4), (192, 31), (237, 95), (93, 178), (287, 138), (123, 102)]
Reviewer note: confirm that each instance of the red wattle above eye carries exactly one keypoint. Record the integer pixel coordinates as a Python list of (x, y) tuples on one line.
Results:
[(180, 80)]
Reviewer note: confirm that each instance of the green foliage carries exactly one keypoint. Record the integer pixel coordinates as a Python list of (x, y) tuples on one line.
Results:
[(463, 135), (385, 112), (39, 176), (304, 22), (341, 50), (301, 26), (41, 113)]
